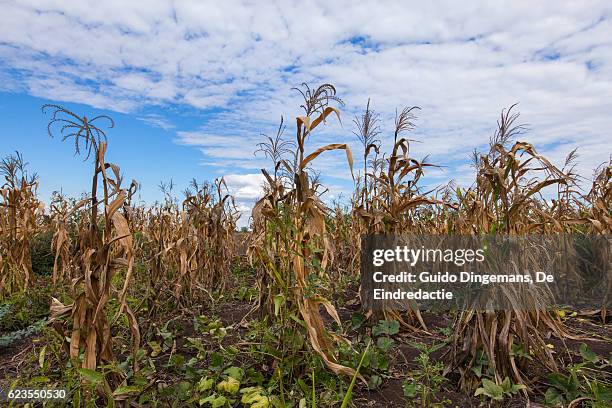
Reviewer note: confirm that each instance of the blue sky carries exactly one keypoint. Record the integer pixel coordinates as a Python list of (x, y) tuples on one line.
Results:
[(143, 151), (193, 84)]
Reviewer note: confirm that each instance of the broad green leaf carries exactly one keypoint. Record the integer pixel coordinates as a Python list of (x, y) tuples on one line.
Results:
[(492, 390), (553, 397), (91, 375), (588, 354), (374, 382), (216, 359), (205, 384), (279, 300), (410, 389), (506, 385), (384, 343), (388, 327), (220, 401), (230, 386), (126, 391), (234, 372), (477, 370)]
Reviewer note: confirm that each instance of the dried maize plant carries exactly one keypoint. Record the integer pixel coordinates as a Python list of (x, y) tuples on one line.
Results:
[(168, 249), (278, 150), (394, 198), (395, 207), (62, 216), (19, 213), (600, 214), (505, 200), (346, 230), (507, 195), (131, 212), (599, 210), (346, 239), (159, 234), (137, 216), (437, 219), (124, 228), (368, 131), (594, 214), (181, 250), (224, 217), (104, 248), (569, 211), (60, 244), (291, 242), (563, 207), (347, 226), (212, 218)]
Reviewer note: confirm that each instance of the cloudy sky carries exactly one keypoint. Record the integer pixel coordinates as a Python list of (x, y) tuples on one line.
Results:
[(193, 84)]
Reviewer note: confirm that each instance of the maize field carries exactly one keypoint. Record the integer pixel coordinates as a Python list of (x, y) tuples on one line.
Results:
[(168, 304)]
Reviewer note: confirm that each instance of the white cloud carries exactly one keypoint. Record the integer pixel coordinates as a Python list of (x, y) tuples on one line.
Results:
[(245, 186), (461, 62), (246, 189), (156, 120)]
